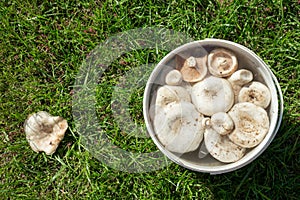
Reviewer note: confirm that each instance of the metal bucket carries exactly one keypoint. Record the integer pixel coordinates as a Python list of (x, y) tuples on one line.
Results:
[(248, 60)]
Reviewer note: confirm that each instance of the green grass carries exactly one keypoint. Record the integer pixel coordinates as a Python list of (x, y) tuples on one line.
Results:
[(43, 44)]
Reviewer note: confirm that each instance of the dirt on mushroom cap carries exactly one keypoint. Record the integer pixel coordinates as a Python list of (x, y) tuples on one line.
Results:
[(256, 93), (251, 124), (222, 62), (221, 148)]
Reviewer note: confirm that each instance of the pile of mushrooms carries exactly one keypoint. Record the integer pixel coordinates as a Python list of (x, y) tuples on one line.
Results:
[(223, 105)]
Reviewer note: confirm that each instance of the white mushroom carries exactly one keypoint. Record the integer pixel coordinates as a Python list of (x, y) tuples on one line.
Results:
[(212, 95), (221, 148), (222, 123), (256, 93), (236, 90), (174, 77), (44, 132), (238, 79), (251, 124), (222, 62), (178, 127), (168, 94), (194, 69), (241, 77)]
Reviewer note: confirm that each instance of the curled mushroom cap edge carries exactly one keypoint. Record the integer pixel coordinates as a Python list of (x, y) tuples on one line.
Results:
[(44, 132), (222, 62)]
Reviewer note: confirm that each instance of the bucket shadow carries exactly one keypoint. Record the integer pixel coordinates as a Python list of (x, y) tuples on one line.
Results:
[(273, 175)]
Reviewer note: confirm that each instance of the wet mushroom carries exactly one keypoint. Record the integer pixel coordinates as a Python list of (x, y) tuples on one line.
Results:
[(212, 95), (222, 123), (221, 148), (256, 93), (178, 127), (251, 124), (194, 69), (174, 77), (238, 79), (44, 132), (222, 62)]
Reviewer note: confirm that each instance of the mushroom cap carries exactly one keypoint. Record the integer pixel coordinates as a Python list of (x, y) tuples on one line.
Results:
[(256, 93), (194, 69), (222, 62), (241, 77), (212, 95), (178, 127), (44, 132), (251, 124), (238, 79), (174, 77), (168, 94), (221, 148), (222, 123)]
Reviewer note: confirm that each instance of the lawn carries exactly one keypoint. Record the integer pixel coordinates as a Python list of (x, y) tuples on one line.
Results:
[(42, 47)]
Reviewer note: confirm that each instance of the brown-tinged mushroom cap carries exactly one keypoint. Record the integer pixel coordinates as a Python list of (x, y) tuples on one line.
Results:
[(222, 62), (251, 124), (44, 132), (178, 127), (212, 95), (194, 69), (256, 93), (221, 148)]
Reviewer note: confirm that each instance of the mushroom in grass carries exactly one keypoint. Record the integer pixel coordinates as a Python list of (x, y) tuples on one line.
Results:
[(222, 62), (221, 148), (44, 132), (178, 127), (256, 93), (251, 124), (212, 95), (194, 69), (238, 79), (174, 77)]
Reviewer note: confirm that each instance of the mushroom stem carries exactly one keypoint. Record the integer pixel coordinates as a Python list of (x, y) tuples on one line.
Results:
[(194, 69), (191, 61)]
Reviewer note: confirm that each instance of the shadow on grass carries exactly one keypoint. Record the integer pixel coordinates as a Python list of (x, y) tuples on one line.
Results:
[(273, 175)]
